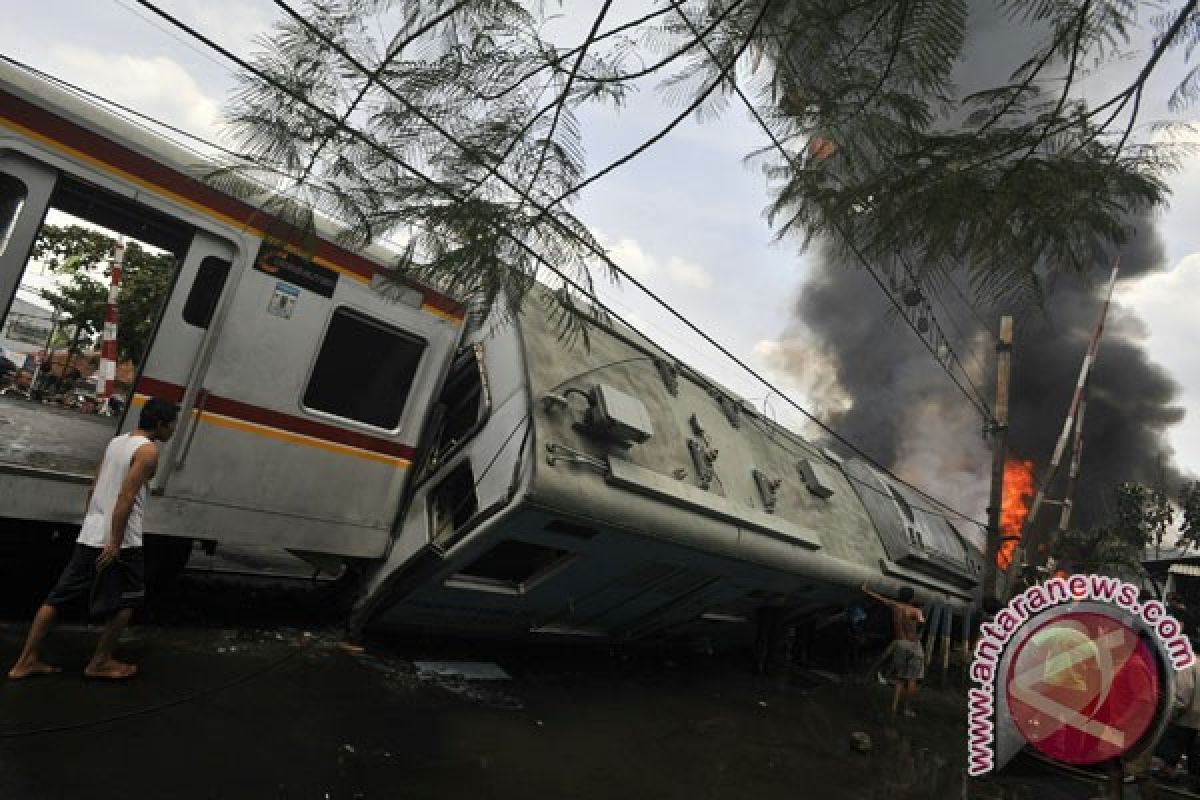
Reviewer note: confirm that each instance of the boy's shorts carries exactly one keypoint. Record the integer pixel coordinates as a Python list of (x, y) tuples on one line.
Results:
[(908, 661), (122, 585)]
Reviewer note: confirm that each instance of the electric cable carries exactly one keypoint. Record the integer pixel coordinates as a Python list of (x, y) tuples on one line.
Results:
[(989, 417), (206, 56), (126, 109), (522, 244), (980, 405), (964, 334), (830, 461), (607, 260), (586, 372), (972, 307)]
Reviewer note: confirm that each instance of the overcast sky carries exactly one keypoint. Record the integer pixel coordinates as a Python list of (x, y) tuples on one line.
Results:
[(686, 217)]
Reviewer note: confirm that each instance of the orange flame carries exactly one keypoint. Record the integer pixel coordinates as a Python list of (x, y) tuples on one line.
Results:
[(1018, 492), (821, 148)]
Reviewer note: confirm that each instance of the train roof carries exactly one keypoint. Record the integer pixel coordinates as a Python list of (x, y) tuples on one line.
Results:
[(52, 111), (792, 494)]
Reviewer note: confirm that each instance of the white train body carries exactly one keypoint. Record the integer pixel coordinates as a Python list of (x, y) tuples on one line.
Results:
[(491, 478)]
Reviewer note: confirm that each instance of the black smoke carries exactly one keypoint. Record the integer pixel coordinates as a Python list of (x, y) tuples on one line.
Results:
[(883, 391), (899, 406)]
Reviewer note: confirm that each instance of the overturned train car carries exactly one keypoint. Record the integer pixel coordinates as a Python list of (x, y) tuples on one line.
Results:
[(490, 478), (594, 488)]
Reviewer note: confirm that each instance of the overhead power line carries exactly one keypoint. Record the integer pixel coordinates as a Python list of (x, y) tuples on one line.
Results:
[(599, 253), (372, 76), (974, 397), (911, 274)]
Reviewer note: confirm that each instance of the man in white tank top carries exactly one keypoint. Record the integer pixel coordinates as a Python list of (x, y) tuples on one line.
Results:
[(107, 561)]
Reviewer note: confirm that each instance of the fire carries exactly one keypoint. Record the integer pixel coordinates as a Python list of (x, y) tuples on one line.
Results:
[(1018, 493), (821, 148)]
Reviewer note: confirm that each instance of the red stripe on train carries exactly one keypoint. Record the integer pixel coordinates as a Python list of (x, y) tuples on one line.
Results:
[(103, 149), (275, 419)]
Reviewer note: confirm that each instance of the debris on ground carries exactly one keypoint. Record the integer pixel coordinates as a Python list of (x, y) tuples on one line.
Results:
[(861, 741), (466, 670)]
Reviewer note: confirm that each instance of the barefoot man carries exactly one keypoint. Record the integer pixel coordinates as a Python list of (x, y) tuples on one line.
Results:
[(111, 538), (908, 659)]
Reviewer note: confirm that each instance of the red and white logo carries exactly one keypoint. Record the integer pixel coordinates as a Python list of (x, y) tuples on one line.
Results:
[(1083, 688)]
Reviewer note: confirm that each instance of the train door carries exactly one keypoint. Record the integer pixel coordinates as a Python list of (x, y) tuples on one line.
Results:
[(307, 412), (174, 361), (58, 231), (25, 189)]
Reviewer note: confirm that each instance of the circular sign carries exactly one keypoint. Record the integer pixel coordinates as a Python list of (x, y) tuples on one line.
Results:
[(1083, 688)]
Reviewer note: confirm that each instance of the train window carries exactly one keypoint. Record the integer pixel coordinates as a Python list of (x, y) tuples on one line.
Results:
[(511, 567), (464, 403), (206, 290), (900, 501), (364, 370), (12, 198), (453, 502)]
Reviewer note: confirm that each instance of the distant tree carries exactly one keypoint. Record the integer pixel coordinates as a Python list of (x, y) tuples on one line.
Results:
[(1099, 549), (84, 257), (1141, 516), (1189, 504)]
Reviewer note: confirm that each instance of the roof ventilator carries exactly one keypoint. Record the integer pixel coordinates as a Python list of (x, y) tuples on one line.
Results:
[(732, 409), (768, 489), (816, 478), (611, 415), (617, 417), (703, 458), (670, 375)]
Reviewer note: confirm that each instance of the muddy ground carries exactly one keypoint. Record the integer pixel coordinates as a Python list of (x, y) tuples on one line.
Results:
[(247, 694)]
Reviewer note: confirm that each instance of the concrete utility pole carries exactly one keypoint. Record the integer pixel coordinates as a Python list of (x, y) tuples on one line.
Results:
[(999, 452)]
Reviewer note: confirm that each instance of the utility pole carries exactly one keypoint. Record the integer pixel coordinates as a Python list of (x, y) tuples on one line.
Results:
[(999, 452)]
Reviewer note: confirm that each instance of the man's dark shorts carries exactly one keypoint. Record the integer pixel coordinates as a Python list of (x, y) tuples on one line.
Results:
[(122, 586)]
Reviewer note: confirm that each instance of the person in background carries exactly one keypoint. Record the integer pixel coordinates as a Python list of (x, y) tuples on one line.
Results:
[(23, 382), (908, 657), (1180, 610)]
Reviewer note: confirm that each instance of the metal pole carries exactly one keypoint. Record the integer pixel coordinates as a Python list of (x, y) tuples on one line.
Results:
[(934, 620), (37, 368), (968, 613), (1068, 502), (1085, 372), (108, 342), (999, 453), (947, 634)]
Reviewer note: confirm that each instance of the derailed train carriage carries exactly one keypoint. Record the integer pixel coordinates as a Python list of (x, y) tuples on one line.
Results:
[(601, 490), (481, 476)]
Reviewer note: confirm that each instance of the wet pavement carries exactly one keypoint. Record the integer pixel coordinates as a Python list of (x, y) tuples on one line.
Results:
[(54, 438), (278, 714), (267, 710)]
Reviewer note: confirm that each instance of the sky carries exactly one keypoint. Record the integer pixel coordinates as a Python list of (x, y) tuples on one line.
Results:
[(686, 218)]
